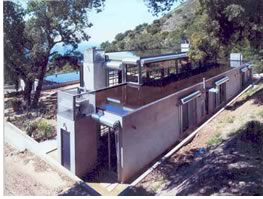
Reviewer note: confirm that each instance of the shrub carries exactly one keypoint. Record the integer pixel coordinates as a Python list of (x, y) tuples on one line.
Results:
[(217, 139), (41, 130), (16, 105)]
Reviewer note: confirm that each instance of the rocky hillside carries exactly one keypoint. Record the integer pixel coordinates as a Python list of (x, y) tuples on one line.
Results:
[(166, 32), (179, 16)]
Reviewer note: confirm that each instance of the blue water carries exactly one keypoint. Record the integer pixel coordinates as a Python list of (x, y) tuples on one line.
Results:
[(62, 78)]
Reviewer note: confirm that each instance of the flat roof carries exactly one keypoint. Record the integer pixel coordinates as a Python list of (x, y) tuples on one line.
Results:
[(133, 57), (136, 96)]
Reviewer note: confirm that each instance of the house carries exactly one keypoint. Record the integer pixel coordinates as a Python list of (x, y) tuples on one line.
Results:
[(132, 107)]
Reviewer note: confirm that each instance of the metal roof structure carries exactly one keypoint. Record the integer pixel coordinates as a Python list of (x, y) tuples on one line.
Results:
[(143, 57)]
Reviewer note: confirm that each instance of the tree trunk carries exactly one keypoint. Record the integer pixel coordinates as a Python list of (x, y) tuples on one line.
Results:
[(40, 84), (27, 92)]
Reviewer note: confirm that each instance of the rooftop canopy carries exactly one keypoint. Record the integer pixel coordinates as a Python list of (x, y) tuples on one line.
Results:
[(147, 56)]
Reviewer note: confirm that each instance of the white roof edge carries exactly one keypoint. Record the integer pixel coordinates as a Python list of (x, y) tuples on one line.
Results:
[(222, 80), (244, 69), (130, 61), (190, 97), (162, 58)]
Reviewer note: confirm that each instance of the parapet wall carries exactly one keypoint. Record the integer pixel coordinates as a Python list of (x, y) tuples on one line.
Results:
[(152, 129)]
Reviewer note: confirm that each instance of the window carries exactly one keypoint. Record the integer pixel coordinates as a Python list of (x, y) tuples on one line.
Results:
[(132, 73), (220, 97), (114, 77), (222, 93), (189, 114), (207, 103), (158, 70)]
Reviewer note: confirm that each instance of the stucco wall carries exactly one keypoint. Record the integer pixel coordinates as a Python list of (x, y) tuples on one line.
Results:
[(85, 146), (83, 143), (152, 129)]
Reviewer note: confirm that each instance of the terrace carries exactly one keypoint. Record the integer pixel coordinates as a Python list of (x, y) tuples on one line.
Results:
[(133, 97)]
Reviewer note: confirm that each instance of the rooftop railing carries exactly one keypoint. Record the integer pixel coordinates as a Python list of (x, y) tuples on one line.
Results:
[(74, 104)]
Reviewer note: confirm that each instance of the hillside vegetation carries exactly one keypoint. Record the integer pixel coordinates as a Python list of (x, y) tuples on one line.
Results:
[(166, 32), (214, 29)]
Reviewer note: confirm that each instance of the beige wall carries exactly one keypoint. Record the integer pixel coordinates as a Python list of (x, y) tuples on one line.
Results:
[(85, 145), (152, 129)]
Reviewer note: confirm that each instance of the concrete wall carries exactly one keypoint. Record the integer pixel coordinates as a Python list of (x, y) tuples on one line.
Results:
[(152, 129), (94, 71), (85, 146), (83, 143)]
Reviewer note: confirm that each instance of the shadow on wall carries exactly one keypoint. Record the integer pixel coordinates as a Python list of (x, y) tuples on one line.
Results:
[(234, 167)]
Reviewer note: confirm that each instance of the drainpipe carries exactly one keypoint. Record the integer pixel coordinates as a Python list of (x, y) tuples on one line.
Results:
[(204, 83)]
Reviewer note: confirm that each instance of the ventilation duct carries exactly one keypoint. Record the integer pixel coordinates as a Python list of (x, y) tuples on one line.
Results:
[(106, 120), (115, 65)]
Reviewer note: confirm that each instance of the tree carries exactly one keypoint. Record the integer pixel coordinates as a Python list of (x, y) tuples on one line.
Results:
[(14, 45), (160, 6), (230, 24), (46, 24)]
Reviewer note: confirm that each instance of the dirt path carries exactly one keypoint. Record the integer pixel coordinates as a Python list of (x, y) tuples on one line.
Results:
[(225, 158), (26, 174)]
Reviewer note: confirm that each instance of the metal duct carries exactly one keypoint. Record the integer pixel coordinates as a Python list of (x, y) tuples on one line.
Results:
[(106, 120), (115, 65)]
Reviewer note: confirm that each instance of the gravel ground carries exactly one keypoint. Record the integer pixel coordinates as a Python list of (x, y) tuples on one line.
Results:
[(27, 175)]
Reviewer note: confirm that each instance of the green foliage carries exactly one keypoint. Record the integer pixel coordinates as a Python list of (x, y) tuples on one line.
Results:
[(40, 130), (217, 139), (236, 24), (41, 26), (220, 27), (260, 114), (160, 6), (13, 44)]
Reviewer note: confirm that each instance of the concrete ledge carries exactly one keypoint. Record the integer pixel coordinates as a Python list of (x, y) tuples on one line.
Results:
[(48, 87), (185, 141)]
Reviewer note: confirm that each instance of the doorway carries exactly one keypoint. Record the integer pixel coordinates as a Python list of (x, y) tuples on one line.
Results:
[(65, 146), (106, 170)]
